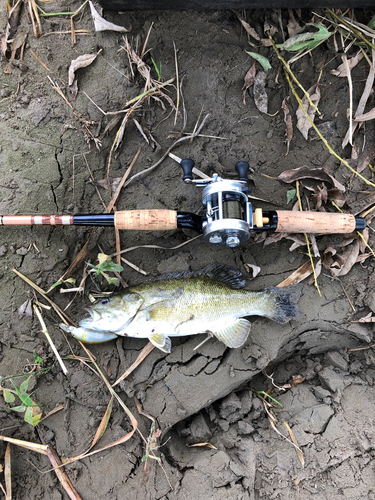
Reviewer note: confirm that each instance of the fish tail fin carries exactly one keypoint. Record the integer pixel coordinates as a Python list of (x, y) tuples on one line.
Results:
[(286, 303)]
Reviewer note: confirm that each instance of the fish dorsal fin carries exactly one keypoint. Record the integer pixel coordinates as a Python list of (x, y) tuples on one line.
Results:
[(161, 341), (229, 275), (234, 333)]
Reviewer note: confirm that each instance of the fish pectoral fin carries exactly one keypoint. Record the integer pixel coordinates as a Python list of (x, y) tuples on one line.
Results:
[(88, 336), (161, 341), (235, 333)]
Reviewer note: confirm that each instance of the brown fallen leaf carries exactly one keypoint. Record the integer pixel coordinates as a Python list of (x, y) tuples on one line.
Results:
[(342, 70), (293, 27), (298, 275), (362, 103), (303, 124), (266, 42), (112, 185), (289, 125), (369, 318), (341, 264), (294, 441), (260, 95), (80, 62), (365, 117), (305, 172), (248, 81)]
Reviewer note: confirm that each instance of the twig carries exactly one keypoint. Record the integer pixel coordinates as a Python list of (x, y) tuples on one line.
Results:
[(39, 60), (44, 330), (125, 176), (147, 170), (133, 266), (156, 246), (350, 82), (141, 356), (177, 83)]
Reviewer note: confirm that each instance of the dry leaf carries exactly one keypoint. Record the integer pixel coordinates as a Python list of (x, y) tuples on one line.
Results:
[(292, 25), (102, 25), (342, 263), (342, 71), (305, 172), (298, 275), (26, 308), (303, 124), (369, 318), (80, 62), (249, 29), (248, 81), (289, 125), (266, 42), (294, 441), (260, 95), (252, 268), (8, 473), (370, 115), (209, 445)]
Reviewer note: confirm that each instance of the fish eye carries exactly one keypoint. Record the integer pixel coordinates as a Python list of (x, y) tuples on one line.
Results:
[(104, 302)]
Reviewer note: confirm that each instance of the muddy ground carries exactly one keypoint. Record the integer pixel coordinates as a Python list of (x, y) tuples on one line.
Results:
[(196, 396)]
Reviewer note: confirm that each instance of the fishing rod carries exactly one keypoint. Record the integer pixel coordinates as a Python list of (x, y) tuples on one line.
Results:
[(228, 221)]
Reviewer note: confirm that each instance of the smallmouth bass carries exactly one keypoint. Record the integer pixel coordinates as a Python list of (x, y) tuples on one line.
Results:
[(211, 300)]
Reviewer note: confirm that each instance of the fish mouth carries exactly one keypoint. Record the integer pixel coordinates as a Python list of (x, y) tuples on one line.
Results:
[(94, 315), (93, 322)]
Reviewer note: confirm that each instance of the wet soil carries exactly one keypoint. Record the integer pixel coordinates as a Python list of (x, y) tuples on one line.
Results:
[(196, 396)]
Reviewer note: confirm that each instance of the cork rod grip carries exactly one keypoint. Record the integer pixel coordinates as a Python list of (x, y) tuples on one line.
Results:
[(149, 220), (314, 222)]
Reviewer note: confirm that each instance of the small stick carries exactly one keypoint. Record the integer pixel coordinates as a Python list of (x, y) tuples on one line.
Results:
[(177, 82), (125, 176), (44, 330), (39, 60), (142, 355), (7, 473)]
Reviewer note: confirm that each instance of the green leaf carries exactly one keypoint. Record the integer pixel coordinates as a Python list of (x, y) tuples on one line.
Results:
[(308, 40), (24, 386), (30, 418), (290, 195), (35, 419), (261, 60), (37, 359), (8, 396), (112, 281), (19, 408), (371, 24), (109, 266)]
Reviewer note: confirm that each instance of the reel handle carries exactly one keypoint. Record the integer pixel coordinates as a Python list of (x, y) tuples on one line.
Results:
[(187, 165), (317, 222), (242, 168)]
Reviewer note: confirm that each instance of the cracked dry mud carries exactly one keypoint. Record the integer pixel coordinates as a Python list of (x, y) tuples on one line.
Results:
[(203, 395)]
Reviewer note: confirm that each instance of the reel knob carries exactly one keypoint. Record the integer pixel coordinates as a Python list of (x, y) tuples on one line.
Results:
[(187, 166), (242, 168)]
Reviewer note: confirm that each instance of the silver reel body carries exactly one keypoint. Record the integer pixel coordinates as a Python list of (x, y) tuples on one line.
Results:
[(229, 215)]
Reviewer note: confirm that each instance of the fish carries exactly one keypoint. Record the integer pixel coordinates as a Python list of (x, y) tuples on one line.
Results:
[(212, 300)]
